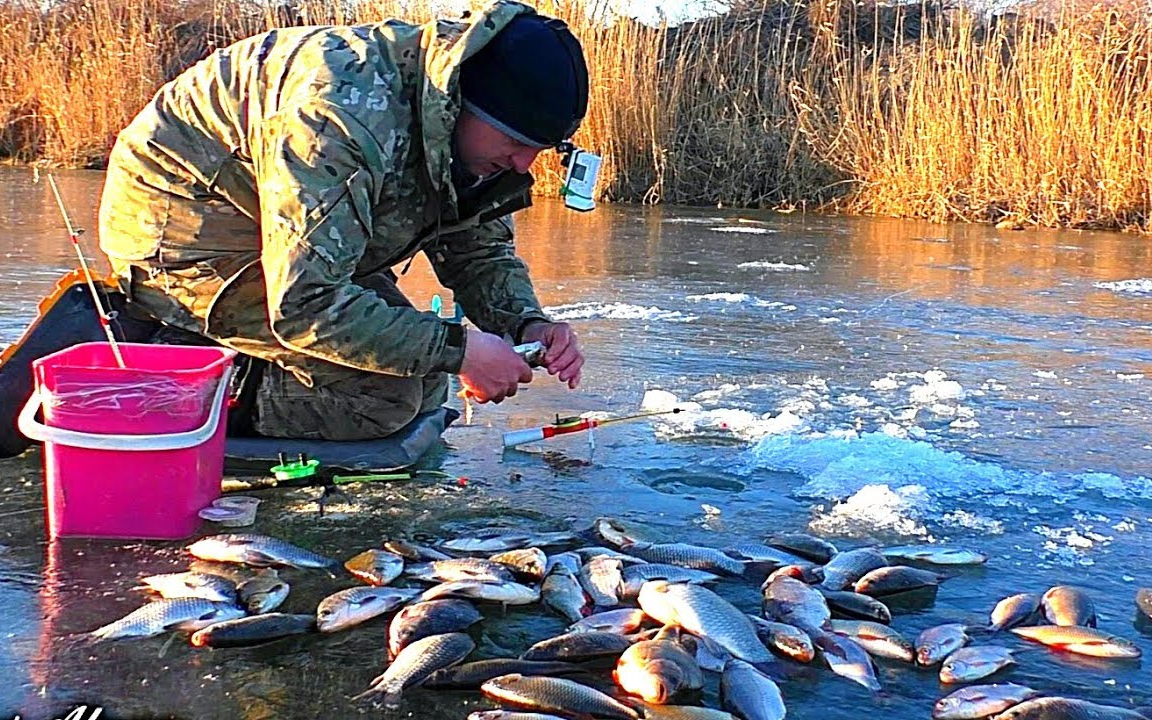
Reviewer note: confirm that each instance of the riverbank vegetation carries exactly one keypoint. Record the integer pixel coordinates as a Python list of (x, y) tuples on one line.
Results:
[(920, 110)]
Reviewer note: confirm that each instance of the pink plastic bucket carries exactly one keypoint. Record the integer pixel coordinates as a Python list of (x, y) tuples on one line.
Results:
[(132, 452)]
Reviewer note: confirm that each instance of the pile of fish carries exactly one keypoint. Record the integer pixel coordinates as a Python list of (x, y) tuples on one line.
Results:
[(645, 625)]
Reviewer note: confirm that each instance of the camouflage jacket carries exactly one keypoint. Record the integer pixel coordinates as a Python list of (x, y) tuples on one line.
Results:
[(335, 143)]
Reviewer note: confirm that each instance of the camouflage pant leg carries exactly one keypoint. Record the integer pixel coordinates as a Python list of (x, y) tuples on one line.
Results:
[(356, 406), (362, 406)]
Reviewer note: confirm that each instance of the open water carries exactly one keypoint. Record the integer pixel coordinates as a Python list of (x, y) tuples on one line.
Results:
[(870, 381)]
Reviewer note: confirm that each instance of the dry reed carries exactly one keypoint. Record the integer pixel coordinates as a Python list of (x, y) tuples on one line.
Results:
[(894, 110)]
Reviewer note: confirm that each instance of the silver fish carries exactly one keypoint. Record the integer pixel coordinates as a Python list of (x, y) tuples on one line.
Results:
[(620, 621), (252, 630), (375, 567), (803, 571), (685, 712), (550, 694), (416, 662), (658, 669), (636, 575), (854, 606), (590, 553), (491, 541), (750, 693), (974, 662), (937, 643), (895, 579), (806, 546), (848, 567), (346, 608), (876, 639), (791, 602), (474, 674), (1065, 605), (1144, 601), (527, 563), (263, 592), (578, 647), (505, 593), (166, 615), (612, 532), (787, 640), (258, 551), (460, 569), (192, 585), (570, 560), (602, 578), (413, 552), (754, 553), (511, 715), (690, 556), (847, 659), (425, 619), (1014, 610), (1058, 708), (702, 612), (935, 555), (980, 701), (562, 593), (1080, 640)]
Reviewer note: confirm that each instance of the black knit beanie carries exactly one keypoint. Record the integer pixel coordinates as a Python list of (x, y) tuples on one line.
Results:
[(530, 81)]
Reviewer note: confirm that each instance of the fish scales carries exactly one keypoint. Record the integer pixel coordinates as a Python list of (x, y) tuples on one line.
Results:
[(750, 693), (375, 567), (849, 566), (1014, 610), (424, 619), (578, 646), (345, 608), (974, 662), (192, 585), (981, 701), (165, 615), (263, 592), (253, 629), (702, 612), (258, 551), (417, 661), (1065, 605), (475, 674), (690, 556), (550, 694)]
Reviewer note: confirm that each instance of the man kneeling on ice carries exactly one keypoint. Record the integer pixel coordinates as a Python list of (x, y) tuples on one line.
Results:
[(261, 198)]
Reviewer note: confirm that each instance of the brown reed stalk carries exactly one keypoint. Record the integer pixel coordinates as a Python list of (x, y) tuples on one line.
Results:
[(890, 109)]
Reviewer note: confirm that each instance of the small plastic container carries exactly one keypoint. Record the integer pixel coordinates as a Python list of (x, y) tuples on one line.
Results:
[(232, 511), (134, 451)]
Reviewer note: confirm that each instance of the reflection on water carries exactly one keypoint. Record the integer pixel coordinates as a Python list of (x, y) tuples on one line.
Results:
[(878, 381)]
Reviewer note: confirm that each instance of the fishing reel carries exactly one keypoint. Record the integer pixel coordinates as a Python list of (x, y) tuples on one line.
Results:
[(583, 169)]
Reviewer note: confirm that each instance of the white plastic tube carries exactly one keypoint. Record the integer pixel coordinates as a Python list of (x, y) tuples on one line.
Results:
[(519, 437), (36, 430)]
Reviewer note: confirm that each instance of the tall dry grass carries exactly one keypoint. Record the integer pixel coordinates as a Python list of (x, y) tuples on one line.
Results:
[(896, 110)]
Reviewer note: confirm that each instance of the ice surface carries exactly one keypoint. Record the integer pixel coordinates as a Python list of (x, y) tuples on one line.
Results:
[(1140, 286), (773, 266), (615, 311), (747, 230)]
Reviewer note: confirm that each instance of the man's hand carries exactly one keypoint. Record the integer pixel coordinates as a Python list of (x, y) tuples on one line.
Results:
[(491, 371), (563, 356)]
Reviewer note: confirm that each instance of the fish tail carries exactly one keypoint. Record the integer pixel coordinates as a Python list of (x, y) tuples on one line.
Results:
[(371, 692), (392, 697)]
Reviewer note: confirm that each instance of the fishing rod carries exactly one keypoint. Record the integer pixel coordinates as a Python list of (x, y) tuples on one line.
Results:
[(569, 425), (74, 236)]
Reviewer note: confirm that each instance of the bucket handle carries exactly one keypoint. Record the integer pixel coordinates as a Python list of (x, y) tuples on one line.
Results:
[(37, 430)]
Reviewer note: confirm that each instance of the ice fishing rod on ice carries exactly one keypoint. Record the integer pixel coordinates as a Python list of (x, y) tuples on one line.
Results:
[(569, 425), (74, 236)]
